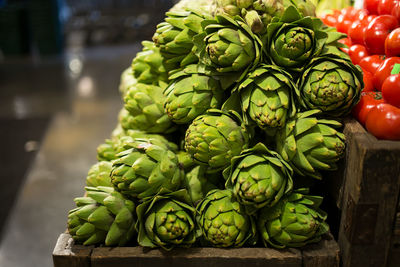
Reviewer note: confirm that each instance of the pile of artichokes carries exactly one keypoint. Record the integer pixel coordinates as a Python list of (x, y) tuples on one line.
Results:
[(227, 112)]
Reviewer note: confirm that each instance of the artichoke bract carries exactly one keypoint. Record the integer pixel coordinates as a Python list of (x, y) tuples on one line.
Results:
[(293, 40), (106, 152), (148, 66), (99, 174), (215, 137), (127, 80), (198, 182), (174, 37), (103, 217), (228, 48), (223, 220), (259, 177), (310, 144), (267, 96), (332, 85), (294, 221), (167, 220), (144, 168), (189, 96), (144, 102)]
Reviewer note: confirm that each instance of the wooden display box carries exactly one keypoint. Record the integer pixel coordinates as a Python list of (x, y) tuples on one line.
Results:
[(366, 189), (67, 254)]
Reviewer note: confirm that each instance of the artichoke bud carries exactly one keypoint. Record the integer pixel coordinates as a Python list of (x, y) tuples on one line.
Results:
[(99, 174), (215, 137), (223, 221), (294, 221), (254, 20), (309, 144), (106, 152), (97, 222), (166, 220), (259, 177)]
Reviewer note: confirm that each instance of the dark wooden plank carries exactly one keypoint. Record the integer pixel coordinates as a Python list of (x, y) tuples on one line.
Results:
[(394, 257), (195, 257), (325, 253), (67, 254), (371, 187)]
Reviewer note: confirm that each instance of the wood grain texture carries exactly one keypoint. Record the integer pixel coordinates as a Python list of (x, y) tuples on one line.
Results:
[(370, 187), (66, 254)]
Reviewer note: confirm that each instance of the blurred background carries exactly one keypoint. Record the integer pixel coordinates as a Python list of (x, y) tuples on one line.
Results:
[(60, 65)]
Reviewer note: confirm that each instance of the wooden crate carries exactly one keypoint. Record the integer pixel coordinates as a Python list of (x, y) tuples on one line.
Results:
[(366, 189), (66, 253)]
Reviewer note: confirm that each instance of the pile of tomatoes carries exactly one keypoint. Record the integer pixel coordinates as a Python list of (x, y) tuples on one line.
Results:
[(373, 43)]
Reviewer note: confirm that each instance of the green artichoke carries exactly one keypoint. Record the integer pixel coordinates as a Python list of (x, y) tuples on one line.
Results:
[(310, 144), (144, 102), (127, 80), (189, 96), (259, 177), (223, 221), (99, 174), (267, 96), (148, 65), (144, 168), (293, 40), (215, 137), (106, 152), (198, 182), (166, 220), (103, 217), (259, 13), (174, 37), (294, 221), (332, 85), (227, 48)]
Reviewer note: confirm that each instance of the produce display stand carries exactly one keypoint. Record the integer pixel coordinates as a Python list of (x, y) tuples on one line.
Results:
[(366, 189), (66, 253)]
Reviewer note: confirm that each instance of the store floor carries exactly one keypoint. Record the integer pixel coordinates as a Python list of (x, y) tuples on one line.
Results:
[(53, 114)]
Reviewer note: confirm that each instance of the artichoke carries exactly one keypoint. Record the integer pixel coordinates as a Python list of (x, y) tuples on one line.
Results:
[(99, 174), (106, 152), (144, 168), (332, 85), (223, 221), (198, 182), (293, 40), (259, 13), (127, 80), (259, 177), (166, 220), (310, 144), (267, 96), (144, 102), (294, 221), (174, 37), (103, 217), (216, 137), (148, 65), (189, 96), (228, 48)]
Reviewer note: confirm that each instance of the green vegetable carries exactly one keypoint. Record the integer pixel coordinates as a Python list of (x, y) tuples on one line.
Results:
[(99, 174)]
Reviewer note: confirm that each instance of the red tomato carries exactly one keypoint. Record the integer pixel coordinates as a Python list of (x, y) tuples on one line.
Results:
[(368, 100), (357, 52), (350, 13), (371, 63), (383, 121), (391, 90), (383, 71), (396, 11), (386, 6), (329, 19), (376, 31), (343, 24), (371, 6), (368, 81), (356, 31), (362, 14), (392, 43)]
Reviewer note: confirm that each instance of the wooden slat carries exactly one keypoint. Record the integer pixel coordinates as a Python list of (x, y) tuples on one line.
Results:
[(324, 253), (66, 254)]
